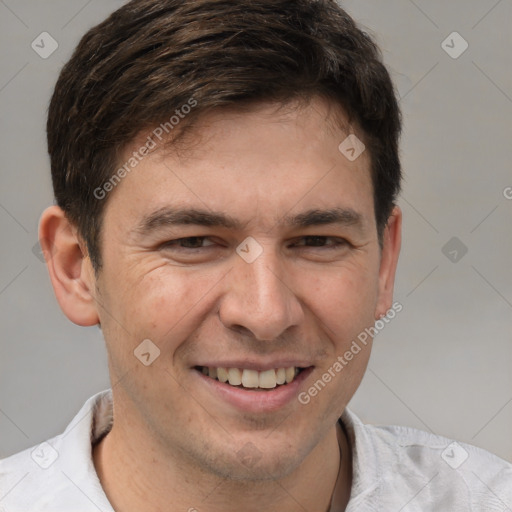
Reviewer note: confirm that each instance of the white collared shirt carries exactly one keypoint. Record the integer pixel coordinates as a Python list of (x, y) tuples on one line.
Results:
[(394, 469)]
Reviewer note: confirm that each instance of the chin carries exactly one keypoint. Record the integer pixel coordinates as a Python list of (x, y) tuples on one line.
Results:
[(252, 465)]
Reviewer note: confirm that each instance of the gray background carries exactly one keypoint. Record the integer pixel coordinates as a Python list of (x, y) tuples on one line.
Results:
[(443, 364)]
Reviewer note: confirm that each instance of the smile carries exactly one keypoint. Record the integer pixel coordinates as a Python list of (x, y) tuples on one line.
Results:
[(252, 379)]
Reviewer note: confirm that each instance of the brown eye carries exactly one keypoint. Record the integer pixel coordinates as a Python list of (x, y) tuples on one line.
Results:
[(191, 242), (322, 241)]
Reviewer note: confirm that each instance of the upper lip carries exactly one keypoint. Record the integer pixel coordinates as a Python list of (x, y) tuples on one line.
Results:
[(261, 366)]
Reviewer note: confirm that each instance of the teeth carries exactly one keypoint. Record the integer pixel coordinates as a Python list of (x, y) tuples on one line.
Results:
[(253, 379), (268, 379), (250, 379), (281, 376), (290, 374), (235, 376), (222, 374)]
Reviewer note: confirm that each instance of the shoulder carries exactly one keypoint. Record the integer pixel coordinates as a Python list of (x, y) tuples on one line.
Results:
[(59, 472), (409, 466)]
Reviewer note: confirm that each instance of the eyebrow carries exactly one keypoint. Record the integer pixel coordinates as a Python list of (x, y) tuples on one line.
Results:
[(168, 216)]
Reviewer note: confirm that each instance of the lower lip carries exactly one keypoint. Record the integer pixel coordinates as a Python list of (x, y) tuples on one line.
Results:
[(256, 401)]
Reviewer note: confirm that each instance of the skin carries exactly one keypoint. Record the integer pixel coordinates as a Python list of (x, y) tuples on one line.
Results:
[(173, 439)]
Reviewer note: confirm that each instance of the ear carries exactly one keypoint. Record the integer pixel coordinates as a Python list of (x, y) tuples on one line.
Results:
[(391, 243), (69, 266)]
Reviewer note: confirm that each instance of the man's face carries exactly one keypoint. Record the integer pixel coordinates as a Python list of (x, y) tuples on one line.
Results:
[(296, 294)]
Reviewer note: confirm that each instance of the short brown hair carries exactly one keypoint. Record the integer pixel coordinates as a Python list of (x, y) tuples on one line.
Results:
[(150, 57)]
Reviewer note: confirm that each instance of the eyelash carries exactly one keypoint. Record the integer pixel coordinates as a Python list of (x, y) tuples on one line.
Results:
[(339, 242)]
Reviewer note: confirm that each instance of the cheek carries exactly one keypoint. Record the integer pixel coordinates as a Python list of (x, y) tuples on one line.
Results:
[(343, 297), (165, 305), (344, 304), (168, 300)]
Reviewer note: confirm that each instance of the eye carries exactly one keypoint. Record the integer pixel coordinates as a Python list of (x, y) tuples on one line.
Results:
[(191, 242), (322, 242)]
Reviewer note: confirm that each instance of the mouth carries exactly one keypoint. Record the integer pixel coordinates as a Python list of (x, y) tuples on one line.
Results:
[(250, 379)]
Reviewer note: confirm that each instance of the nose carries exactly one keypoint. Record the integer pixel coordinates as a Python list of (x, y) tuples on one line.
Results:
[(259, 298)]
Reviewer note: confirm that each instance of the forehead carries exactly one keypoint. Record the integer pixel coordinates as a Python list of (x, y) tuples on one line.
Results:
[(265, 160), (310, 119)]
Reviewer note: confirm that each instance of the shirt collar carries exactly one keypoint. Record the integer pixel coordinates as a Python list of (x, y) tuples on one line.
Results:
[(365, 461)]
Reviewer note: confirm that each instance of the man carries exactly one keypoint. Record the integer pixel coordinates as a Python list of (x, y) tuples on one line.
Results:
[(226, 176)]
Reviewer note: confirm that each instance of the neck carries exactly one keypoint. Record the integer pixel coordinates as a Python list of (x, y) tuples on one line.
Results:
[(136, 476)]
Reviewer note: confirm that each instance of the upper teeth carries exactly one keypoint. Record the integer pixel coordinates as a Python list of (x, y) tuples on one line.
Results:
[(267, 379)]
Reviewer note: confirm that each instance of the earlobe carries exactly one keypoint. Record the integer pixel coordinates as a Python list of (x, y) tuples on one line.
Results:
[(392, 239), (69, 267)]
